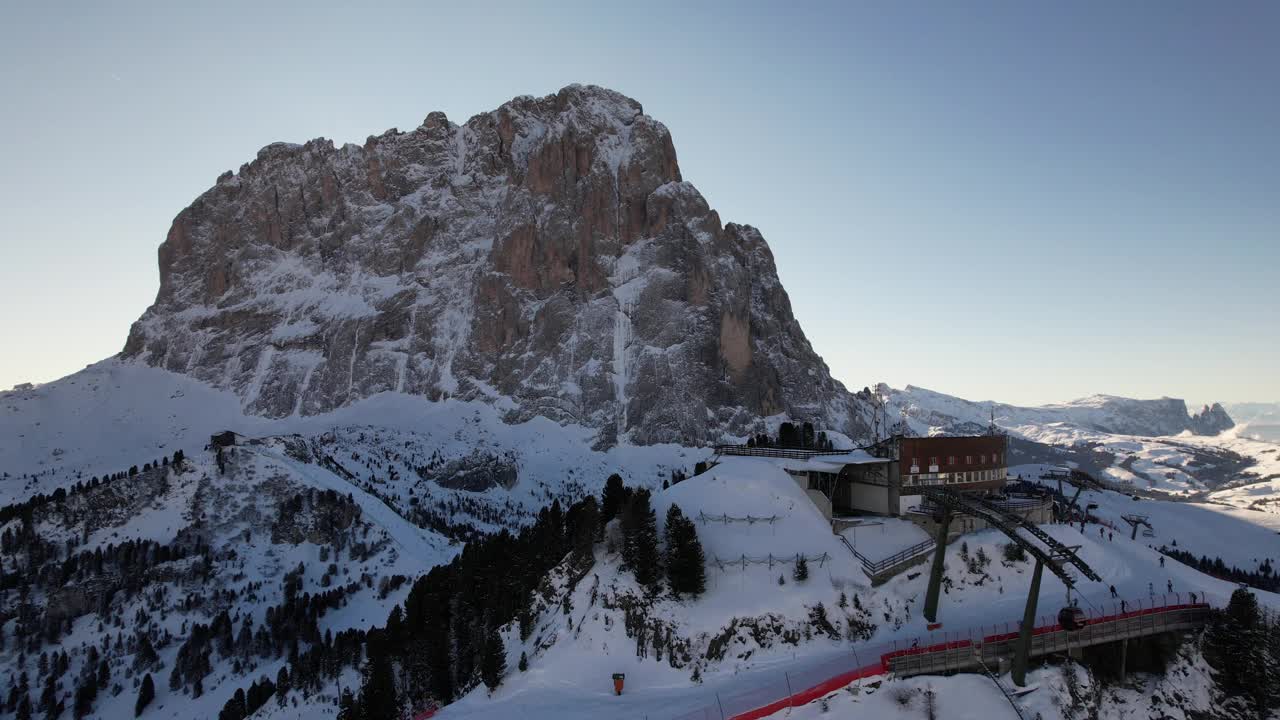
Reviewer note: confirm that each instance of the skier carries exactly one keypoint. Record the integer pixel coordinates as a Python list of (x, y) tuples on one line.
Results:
[(1111, 537), (1151, 589), (1124, 606), (1161, 561), (1113, 591), (1171, 585)]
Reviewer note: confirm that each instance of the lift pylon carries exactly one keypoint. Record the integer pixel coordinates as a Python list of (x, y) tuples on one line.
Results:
[(1054, 555), (935, 571), (1134, 521)]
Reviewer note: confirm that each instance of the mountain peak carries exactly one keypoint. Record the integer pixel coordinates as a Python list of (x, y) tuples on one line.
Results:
[(545, 257)]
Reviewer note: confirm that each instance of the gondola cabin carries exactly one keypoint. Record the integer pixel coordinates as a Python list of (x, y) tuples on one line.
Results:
[(1072, 618)]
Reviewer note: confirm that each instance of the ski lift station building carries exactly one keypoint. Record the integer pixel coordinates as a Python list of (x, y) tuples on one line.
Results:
[(883, 478)]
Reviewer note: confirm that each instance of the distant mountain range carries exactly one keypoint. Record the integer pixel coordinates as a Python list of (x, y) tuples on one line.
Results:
[(1250, 412), (926, 411)]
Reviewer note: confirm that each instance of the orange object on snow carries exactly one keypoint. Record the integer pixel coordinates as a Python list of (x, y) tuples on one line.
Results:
[(618, 679)]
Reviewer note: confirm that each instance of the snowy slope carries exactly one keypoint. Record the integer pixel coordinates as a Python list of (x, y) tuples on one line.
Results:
[(569, 680), (1151, 444), (1183, 691), (113, 415), (238, 513)]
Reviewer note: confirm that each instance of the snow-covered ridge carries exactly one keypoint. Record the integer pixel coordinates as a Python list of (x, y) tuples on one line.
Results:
[(1150, 444), (116, 414), (926, 409)]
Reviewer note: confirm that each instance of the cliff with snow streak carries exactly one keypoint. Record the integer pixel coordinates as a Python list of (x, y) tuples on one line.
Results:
[(546, 257)]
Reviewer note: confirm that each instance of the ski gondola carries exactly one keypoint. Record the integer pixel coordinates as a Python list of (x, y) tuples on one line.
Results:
[(1072, 618)]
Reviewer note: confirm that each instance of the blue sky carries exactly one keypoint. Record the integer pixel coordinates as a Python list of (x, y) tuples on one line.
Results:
[(1019, 201)]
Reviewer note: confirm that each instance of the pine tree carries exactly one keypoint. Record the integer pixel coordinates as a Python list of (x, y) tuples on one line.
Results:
[(524, 662), (614, 497), (146, 655), (378, 697), (801, 571), (493, 664), (86, 693), (1236, 648), (234, 709), (282, 685), (686, 571), (347, 709), (788, 436), (146, 694), (640, 538), (525, 617), (582, 524)]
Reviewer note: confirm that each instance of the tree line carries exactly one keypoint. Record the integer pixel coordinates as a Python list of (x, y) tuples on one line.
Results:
[(25, 508), (791, 435), (1264, 578), (447, 640)]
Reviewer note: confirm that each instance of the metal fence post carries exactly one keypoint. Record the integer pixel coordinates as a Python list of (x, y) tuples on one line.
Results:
[(790, 694), (720, 705)]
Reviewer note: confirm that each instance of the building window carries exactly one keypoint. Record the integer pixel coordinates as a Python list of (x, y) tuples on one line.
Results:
[(982, 459), (915, 462), (933, 461), (968, 459), (951, 459)]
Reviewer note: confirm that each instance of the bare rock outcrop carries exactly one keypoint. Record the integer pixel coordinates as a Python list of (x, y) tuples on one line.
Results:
[(546, 257)]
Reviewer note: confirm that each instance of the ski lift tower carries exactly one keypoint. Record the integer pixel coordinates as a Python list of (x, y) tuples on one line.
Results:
[(1134, 521), (1047, 551)]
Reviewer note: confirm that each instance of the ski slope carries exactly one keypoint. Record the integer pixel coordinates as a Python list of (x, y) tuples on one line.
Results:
[(571, 680)]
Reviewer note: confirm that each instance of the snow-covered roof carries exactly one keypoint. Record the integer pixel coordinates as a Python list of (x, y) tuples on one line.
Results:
[(831, 463)]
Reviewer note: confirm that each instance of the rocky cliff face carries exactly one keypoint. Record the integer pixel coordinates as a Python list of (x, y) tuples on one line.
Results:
[(545, 257), (1211, 420)]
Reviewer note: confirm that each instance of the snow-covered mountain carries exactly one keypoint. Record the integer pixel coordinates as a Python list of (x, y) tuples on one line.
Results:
[(927, 411), (449, 336), (545, 257), (1261, 420), (1149, 444), (1264, 412)]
